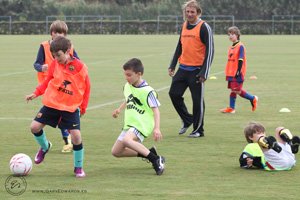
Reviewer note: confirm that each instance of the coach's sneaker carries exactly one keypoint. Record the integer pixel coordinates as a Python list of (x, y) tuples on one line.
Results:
[(227, 110), (254, 103), (79, 173), (39, 157), (159, 165), (196, 135), (295, 144), (183, 129)]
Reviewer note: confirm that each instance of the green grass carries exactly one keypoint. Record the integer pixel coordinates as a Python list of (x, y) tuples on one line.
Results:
[(204, 168)]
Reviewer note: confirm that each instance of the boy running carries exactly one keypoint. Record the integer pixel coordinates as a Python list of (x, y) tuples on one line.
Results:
[(142, 117)]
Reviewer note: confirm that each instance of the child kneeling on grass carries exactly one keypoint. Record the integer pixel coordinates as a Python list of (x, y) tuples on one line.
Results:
[(268, 152), (141, 118)]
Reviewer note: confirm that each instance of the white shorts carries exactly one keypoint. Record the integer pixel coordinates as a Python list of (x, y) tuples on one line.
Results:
[(284, 160), (135, 131)]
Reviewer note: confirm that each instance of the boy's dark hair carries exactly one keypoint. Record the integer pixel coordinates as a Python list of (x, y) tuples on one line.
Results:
[(59, 26), (135, 65), (251, 129), (60, 43)]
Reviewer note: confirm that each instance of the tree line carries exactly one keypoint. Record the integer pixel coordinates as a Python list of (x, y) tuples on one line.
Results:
[(37, 10)]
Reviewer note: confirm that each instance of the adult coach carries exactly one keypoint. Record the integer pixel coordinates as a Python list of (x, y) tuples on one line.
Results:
[(194, 52)]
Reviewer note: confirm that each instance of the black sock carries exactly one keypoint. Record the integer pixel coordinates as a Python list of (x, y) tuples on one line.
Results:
[(140, 155), (152, 157), (77, 147), (39, 133), (66, 140)]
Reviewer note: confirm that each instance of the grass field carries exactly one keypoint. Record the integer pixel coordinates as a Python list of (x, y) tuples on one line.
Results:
[(202, 168)]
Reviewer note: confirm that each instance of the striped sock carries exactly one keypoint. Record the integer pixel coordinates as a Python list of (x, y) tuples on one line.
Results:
[(78, 153), (42, 140)]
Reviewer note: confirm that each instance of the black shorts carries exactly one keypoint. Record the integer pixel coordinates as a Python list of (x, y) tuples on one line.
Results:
[(62, 119)]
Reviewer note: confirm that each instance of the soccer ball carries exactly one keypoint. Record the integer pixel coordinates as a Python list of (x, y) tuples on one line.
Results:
[(20, 164)]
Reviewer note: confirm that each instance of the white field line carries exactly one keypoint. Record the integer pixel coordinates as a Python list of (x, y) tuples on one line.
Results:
[(121, 100), (100, 105), (16, 118), (15, 73), (88, 63)]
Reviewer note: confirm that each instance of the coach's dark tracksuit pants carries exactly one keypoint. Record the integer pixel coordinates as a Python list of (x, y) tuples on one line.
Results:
[(181, 81)]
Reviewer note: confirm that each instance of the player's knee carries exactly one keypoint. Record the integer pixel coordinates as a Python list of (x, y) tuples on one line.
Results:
[(115, 153), (126, 141), (34, 129)]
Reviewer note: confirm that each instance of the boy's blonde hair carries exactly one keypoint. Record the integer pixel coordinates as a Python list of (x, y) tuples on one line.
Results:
[(192, 3), (251, 129), (234, 30), (59, 26)]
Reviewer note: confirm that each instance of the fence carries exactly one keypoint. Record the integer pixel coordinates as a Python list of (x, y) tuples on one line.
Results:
[(85, 19), (5, 24), (285, 23), (163, 24)]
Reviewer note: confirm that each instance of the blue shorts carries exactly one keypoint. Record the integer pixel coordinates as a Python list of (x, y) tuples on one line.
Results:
[(62, 119)]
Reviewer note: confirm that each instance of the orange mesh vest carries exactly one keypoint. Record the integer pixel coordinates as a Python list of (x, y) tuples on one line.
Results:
[(48, 60), (193, 50), (65, 91), (233, 60)]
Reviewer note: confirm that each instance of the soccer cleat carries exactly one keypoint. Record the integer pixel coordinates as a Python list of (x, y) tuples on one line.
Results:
[(159, 165), (39, 157), (153, 150), (227, 110), (254, 103), (286, 135), (79, 173), (183, 129), (67, 148), (196, 135), (269, 143), (295, 144)]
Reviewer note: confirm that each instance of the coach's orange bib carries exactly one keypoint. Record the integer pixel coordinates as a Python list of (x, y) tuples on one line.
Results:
[(193, 50)]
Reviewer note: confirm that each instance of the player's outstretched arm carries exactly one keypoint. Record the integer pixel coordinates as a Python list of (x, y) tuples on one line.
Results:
[(156, 131), (117, 111), (30, 97)]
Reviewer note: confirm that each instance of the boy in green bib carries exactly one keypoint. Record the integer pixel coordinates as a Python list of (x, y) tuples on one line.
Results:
[(141, 117)]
